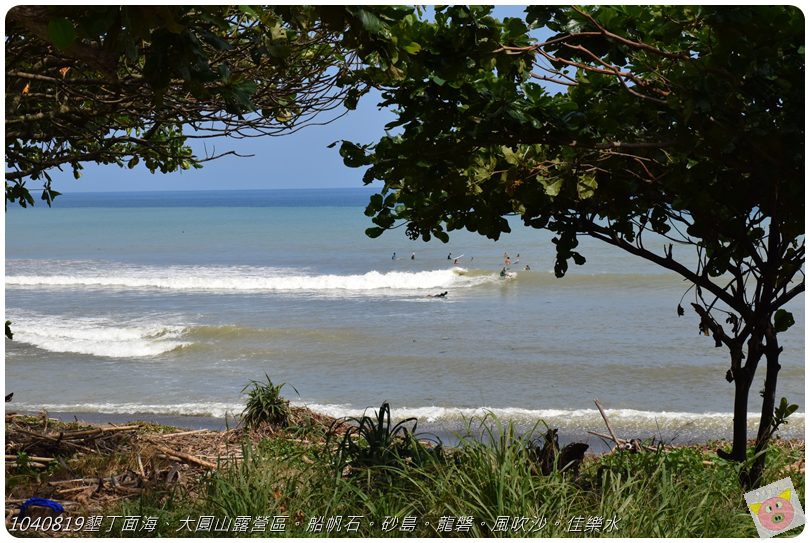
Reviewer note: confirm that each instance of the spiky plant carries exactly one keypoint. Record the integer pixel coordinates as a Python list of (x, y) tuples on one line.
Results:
[(265, 405)]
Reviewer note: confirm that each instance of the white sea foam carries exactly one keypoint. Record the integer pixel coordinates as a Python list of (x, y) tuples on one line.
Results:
[(567, 418), (434, 413), (218, 410), (97, 337), (253, 279), (626, 419)]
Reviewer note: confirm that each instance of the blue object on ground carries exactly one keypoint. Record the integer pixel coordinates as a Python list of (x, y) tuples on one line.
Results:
[(41, 502)]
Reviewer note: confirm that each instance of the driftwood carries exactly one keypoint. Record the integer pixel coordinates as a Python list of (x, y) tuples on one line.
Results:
[(26, 464), (56, 440), (98, 431), (634, 445), (607, 422), (15, 458), (182, 456), (186, 433)]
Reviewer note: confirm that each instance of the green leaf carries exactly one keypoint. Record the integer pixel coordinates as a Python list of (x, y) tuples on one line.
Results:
[(509, 155), (438, 80), (553, 189), (247, 10), (374, 232), (61, 32), (376, 202), (370, 22), (586, 186), (412, 48), (782, 320)]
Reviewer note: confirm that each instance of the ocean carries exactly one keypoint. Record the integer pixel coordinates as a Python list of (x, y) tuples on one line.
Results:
[(166, 304)]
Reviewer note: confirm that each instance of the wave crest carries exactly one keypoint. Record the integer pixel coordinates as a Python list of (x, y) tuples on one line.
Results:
[(272, 280), (98, 337)]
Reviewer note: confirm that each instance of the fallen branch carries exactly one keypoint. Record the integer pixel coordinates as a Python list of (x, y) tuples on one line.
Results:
[(183, 456), (98, 431), (57, 441), (202, 430), (607, 423), (14, 458), (603, 436), (74, 489), (26, 465)]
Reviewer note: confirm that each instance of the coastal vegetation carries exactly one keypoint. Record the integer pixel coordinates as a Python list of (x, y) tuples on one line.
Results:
[(286, 482)]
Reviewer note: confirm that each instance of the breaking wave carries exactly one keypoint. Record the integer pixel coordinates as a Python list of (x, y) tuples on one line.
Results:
[(179, 278), (98, 337)]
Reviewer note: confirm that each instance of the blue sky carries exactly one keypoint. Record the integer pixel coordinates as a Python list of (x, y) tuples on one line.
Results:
[(299, 160)]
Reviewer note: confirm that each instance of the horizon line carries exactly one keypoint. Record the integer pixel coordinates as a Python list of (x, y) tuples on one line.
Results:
[(144, 191)]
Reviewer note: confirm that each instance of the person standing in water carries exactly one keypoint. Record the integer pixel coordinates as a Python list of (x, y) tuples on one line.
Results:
[(449, 256), (413, 256), (394, 256)]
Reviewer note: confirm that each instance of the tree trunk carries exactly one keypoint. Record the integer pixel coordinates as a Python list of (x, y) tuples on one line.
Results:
[(772, 351), (742, 384), (741, 376)]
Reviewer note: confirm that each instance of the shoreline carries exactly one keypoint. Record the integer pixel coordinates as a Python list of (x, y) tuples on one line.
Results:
[(449, 435)]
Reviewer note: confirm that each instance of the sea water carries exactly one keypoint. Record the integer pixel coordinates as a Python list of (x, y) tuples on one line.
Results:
[(169, 303)]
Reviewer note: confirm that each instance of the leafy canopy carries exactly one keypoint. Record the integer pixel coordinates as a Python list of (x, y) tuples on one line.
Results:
[(687, 122), (133, 84)]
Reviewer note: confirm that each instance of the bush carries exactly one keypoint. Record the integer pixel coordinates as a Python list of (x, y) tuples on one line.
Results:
[(372, 442), (265, 405)]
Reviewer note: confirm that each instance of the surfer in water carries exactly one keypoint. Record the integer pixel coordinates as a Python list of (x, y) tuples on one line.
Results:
[(394, 256), (449, 256), (413, 256), (439, 295)]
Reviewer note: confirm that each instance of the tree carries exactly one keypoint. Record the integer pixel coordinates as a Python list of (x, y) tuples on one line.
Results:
[(678, 122), (129, 84)]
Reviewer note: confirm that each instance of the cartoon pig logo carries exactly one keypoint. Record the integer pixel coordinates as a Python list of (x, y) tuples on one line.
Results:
[(774, 514)]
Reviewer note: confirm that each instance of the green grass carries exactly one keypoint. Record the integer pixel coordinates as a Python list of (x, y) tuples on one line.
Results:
[(686, 492)]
